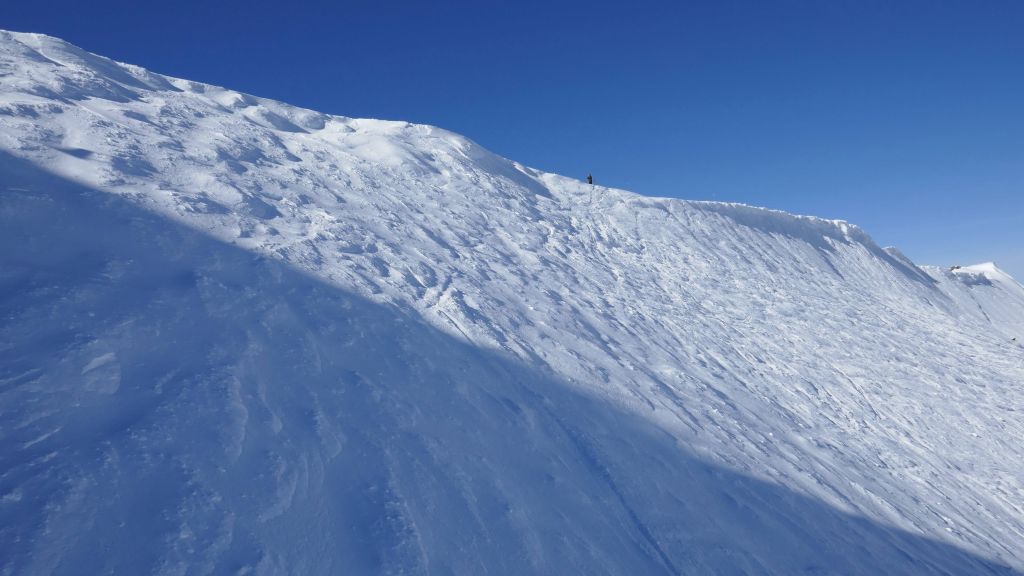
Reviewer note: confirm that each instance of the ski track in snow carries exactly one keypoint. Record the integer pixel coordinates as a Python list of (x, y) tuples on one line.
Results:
[(244, 337)]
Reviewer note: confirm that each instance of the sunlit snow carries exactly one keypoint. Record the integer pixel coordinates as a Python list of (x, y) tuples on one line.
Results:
[(242, 337)]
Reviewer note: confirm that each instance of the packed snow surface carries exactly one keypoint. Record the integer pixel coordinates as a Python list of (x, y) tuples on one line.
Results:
[(238, 337)]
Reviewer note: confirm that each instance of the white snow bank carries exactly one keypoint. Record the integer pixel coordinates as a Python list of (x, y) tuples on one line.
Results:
[(241, 336)]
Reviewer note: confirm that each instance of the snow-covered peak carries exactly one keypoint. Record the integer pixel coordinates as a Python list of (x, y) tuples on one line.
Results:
[(242, 336), (987, 269), (985, 292)]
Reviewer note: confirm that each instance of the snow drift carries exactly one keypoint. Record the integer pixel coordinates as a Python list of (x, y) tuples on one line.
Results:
[(244, 337)]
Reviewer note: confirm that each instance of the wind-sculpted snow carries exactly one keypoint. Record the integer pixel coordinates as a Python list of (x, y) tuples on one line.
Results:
[(243, 337)]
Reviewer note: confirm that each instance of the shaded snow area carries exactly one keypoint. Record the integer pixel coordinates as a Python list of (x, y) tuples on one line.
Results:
[(240, 337)]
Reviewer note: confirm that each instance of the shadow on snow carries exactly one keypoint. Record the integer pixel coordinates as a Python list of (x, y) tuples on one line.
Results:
[(168, 400)]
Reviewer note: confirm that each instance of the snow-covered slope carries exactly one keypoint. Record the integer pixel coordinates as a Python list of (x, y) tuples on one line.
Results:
[(244, 337), (985, 293)]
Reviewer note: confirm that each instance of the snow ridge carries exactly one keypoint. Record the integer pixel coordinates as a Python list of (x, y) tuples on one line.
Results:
[(245, 337)]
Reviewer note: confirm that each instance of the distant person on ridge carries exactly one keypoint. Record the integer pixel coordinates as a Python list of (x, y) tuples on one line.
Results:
[(590, 179)]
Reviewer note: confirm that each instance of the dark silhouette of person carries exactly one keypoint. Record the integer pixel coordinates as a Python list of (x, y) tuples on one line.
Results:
[(590, 179)]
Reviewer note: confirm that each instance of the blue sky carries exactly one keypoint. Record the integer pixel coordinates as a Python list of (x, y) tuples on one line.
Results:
[(905, 117)]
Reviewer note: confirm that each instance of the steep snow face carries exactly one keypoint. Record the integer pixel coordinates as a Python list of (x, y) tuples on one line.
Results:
[(241, 336)]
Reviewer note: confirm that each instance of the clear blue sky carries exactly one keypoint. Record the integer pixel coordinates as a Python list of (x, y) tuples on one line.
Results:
[(906, 117)]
